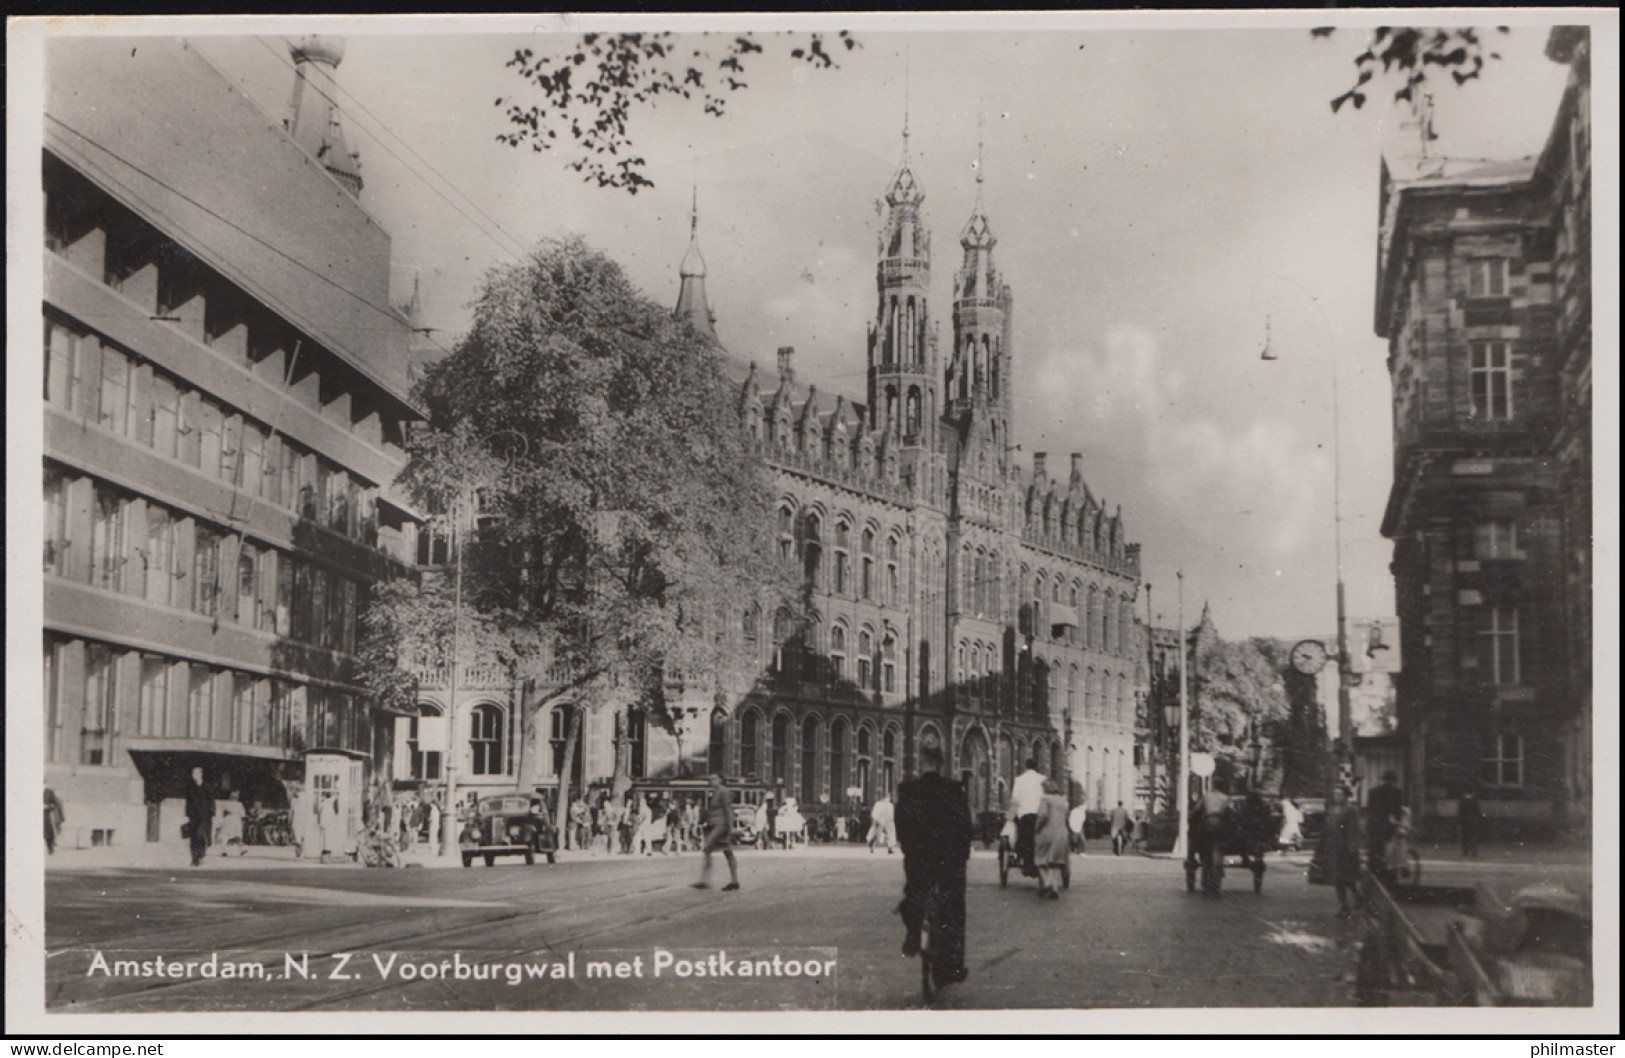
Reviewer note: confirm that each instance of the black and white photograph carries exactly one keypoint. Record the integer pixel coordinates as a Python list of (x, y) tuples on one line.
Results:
[(990, 522)]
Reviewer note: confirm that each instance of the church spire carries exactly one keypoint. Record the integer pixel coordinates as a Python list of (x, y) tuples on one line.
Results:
[(692, 304), (313, 119)]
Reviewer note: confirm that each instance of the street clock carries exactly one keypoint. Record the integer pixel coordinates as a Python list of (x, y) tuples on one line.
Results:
[(1309, 656)]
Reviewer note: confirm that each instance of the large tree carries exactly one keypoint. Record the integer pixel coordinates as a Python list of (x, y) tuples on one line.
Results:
[(615, 516), (593, 86)]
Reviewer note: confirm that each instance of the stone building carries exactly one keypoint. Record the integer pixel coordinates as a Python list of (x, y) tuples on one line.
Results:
[(1483, 293), (960, 600), (224, 410)]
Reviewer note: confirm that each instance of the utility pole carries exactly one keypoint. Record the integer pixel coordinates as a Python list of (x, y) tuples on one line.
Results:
[(448, 818), (1184, 732)]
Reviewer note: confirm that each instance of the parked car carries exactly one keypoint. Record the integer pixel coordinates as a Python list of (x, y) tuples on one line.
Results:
[(507, 824)]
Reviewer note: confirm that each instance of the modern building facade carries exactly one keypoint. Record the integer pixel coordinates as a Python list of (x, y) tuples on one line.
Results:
[(224, 416), (960, 600), (1483, 293)]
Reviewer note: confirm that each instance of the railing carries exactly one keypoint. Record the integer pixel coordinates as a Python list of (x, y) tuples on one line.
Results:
[(482, 674)]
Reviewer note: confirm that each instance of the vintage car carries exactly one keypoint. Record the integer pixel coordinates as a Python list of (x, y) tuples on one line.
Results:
[(508, 824)]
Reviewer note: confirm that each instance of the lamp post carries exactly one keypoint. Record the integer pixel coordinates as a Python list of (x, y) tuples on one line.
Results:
[(1184, 758), (1343, 751)]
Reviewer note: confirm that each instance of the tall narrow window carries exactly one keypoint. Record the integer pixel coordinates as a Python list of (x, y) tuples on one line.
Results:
[(200, 702), (1503, 761), (781, 749), (1498, 646), (1490, 377), (716, 750), (810, 787), (1487, 277), (865, 660), (107, 538), (247, 583), (115, 396), (154, 695), (637, 742), (101, 694), (485, 740), (748, 736), (206, 572)]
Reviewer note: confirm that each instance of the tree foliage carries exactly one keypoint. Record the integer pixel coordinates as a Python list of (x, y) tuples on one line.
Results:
[(1238, 697), (1410, 54), (614, 517), (592, 91)]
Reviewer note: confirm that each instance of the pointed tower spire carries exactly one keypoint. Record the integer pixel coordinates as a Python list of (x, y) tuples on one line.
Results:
[(313, 118), (692, 304)]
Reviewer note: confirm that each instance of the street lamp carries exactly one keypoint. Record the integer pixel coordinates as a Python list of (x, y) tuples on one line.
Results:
[(1184, 759), (1343, 752)]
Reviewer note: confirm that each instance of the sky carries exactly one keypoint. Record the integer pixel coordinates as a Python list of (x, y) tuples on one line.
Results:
[(1162, 196)]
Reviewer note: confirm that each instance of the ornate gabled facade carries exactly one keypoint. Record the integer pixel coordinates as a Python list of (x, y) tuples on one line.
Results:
[(959, 600)]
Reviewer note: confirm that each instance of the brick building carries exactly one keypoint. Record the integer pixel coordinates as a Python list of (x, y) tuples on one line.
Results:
[(224, 410), (1483, 292), (960, 599)]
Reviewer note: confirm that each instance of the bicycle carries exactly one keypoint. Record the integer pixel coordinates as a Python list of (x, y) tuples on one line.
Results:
[(376, 849)]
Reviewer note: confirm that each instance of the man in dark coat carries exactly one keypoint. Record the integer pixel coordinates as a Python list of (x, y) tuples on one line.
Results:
[(1384, 805), (199, 816), (934, 828)]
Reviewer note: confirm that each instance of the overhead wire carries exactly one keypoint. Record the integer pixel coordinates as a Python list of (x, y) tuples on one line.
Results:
[(513, 247)]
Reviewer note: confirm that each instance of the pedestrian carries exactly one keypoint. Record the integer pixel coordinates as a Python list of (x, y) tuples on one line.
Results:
[(627, 823), (1120, 828), (1076, 820), (54, 817), (882, 821), (1291, 826), (719, 818), (1051, 840), (1025, 794), (433, 812), (1469, 820), (674, 827), (229, 830), (1341, 842), (609, 821), (651, 826), (580, 824), (767, 822), (1207, 834), (298, 817), (199, 816), (1383, 806), (935, 829), (1139, 833)]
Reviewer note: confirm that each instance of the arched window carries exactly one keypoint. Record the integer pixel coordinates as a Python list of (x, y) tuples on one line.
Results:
[(1071, 689), (1057, 762), (751, 625), (781, 749), (867, 586), (888, 761), (809, 761), (1092, 619), (425, 764), (888, 663), (748, 736), (787, 543), (837, 651), (865, 767), (486, 741), (839, 761), (912, 422), (812, 552), (1108, 624), (716, 752), (866, 659), (559, 732), (843, 558), (1090, 706), (783, 628)]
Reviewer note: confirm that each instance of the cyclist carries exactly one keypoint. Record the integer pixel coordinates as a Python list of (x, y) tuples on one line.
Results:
[(935, 830)]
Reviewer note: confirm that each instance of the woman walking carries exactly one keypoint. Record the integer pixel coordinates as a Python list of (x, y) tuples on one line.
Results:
[(1052, 841)]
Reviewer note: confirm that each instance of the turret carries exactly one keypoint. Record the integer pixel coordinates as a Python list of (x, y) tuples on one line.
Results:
[(902, 388), (313, 115), (692, 304)]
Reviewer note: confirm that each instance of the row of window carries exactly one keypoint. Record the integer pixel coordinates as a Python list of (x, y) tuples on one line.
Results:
[(104, 385), (97, 695), (847, 761), (141, 548), (861, 576), (1104, 698)]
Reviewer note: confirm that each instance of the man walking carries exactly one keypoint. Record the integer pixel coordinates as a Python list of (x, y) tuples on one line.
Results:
[(1025, 796), (1384, 803), (1120, 828), (54, 815), (935, 829), (199, 816), (881, 821), (719, 817)]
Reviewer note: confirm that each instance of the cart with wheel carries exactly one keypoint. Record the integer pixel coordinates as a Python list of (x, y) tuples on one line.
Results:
[(1012, 858), (1238, 837)]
